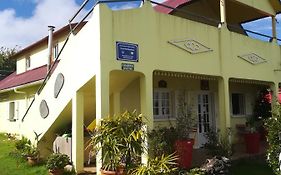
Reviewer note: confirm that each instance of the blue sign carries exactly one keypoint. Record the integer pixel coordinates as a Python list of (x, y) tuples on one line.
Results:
[(127, 51)]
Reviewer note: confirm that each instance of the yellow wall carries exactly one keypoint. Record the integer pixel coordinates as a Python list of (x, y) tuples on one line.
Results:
[(38, 56), (130, 97), (22, 101), (152, 31)]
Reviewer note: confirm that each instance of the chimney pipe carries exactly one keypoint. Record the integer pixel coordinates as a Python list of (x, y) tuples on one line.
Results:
[(50, 47)]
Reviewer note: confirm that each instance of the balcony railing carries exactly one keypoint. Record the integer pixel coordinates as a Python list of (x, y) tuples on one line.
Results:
[(215, 22)]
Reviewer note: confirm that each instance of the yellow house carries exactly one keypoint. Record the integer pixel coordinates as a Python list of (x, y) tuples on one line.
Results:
[(147, 59)]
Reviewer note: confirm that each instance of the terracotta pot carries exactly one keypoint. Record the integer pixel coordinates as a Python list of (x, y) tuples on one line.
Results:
[(121, 170), (184, 151), (252, 141), (104, 172), (56, 172), (32, 160)]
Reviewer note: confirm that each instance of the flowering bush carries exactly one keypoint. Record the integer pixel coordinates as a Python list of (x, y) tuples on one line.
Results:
[(273, 125)]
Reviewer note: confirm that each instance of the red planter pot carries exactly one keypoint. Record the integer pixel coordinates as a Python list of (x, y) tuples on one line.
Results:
[(252, 141), (184, 151)]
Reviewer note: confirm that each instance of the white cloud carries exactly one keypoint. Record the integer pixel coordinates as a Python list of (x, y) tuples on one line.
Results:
[(24, 31), (124, 5)]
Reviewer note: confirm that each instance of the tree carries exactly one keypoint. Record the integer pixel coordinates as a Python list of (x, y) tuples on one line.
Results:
[(7, 65)]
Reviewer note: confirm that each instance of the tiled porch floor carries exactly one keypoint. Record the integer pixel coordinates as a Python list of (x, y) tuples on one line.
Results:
[(200, 155)]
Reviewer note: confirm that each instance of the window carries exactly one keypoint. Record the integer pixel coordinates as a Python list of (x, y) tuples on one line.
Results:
[(12, 111), (238, 104), (161, 104), (56, 50), (27, 62)]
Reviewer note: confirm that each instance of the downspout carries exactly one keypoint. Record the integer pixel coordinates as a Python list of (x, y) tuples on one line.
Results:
[(50, 47)]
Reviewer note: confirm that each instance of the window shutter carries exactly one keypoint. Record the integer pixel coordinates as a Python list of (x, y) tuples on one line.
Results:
[(11, 110)]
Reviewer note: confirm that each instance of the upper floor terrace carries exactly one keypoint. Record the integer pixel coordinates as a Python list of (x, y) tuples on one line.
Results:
[(235, 14), (191, 25)]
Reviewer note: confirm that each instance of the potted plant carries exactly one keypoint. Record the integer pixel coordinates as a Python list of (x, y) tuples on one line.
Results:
[(185, 123), (32, 154), (121, 139), (56, 163), (31, 151), (252, 137)]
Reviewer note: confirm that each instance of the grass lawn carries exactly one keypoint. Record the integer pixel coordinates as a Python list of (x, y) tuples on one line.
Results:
[(250, 167), (12, 166)]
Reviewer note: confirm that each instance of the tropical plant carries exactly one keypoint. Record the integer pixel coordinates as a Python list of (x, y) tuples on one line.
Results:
[(186, 121), (273, 125), (164, 165), (57, 161), (121, 139), (218, 145), (162, 141), (262, 109)]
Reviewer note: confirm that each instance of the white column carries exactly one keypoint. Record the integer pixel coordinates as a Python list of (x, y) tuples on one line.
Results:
[(78, 131), (222, 12), (224, 109), (146, 88), (116, 103), (274, 31), (102, 106), (275, 89)]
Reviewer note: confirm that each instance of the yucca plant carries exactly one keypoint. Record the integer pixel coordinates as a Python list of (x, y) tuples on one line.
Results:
[(164, 165), (121, 139)]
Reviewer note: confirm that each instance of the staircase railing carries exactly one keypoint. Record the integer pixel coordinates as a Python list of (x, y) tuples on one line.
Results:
[(72, 31)]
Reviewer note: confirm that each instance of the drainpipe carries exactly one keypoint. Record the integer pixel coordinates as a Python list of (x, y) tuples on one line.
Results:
[(50, 47)]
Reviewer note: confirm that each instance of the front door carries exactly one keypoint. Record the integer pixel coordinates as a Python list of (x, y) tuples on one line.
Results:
[(204, 114)]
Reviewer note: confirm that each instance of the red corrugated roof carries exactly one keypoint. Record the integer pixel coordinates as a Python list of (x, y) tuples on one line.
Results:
[(170, 3), (29, 76)]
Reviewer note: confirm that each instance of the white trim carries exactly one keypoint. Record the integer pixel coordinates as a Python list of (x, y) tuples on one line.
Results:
[(22, 86), (171, 113)]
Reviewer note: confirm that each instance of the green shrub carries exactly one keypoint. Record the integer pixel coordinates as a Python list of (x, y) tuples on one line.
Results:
[(218, 145), (57, 161), (273, 126), (161, 141), (196, 171), (21, 144)]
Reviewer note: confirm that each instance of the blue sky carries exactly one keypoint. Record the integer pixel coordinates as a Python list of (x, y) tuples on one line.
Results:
[(25, 21)]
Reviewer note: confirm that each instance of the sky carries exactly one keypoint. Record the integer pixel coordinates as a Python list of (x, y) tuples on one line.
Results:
[(24, 22)]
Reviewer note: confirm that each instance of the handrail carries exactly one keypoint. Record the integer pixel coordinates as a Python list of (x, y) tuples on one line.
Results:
[(56, 60), (79, 10)]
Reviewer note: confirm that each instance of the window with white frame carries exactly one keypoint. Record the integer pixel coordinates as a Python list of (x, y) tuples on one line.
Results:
[(56, 50), (238, 104), (27, 62), (162, 104)]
